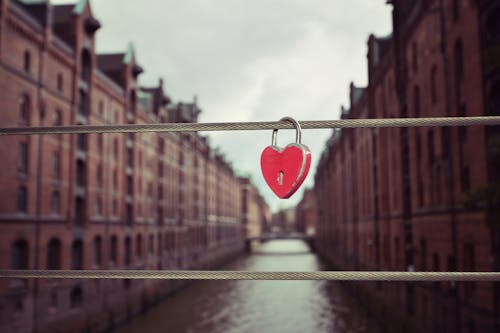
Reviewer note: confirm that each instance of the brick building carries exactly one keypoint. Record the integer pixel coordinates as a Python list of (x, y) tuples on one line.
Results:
[(98, 201), (421, 199), (306, 213), (255, 211)]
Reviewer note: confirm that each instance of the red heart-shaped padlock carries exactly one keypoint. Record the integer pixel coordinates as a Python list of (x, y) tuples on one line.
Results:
[(285, 169)]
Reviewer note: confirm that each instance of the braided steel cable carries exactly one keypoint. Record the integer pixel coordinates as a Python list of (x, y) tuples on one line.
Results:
[(249, 275), (245, 126)]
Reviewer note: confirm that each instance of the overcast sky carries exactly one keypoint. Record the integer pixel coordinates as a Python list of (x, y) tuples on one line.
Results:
[(250, 61)]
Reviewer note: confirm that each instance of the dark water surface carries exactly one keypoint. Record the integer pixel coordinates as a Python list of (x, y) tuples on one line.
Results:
[(258, 306)]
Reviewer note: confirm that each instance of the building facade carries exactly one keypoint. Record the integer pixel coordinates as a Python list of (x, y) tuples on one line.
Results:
[(421, 199), (98, 201)]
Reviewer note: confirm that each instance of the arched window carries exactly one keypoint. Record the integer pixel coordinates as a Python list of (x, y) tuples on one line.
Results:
[(138, 250), (54, 254), (56, 202), (19, 254), (76, 297), (113, 249), (97, 247), (128, 251), (22, 199), (434, 94), (27, 61), (85, 65), (77, 255), (24, 109)]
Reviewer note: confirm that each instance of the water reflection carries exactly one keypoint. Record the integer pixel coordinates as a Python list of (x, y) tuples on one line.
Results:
[(257, 306)]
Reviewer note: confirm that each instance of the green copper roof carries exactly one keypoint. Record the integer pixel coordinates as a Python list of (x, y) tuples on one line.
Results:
[(129, 54), (79, 7)]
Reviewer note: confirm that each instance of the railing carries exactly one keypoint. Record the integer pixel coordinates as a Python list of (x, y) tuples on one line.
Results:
[(248, 275)]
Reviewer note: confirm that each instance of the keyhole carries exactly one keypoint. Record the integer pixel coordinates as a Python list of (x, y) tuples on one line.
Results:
[(280, 178)]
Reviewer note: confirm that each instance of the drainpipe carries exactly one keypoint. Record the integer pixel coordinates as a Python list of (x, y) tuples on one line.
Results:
[(449, 164)]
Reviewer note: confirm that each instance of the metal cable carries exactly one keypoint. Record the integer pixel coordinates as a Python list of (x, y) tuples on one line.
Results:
[(248, 275), (244, 126)]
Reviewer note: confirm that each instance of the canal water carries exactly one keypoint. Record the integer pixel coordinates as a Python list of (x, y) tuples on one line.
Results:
[(258, 306)]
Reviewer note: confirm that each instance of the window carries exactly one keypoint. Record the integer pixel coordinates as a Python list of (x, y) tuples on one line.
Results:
[(79, 211), (160, 169), (416, 101), (76, 297), (57, 118), (430, 145), (115, 179), (130, 185), (128, 251), (81, 142), (60, 82), (115, 148), (22, 158), (101, 108), (81, 173), (24, 109), (83, 103), (54, 254), (151, 244), (19, 255), (97, 251), (434, 94), (114, 207), (22, 199), (77, 255), (160, 244), (27, 61), (113, 250), (130, 214), (56, 164), (465, 179), (98, 206), (56, 202), (133, 102), (130, 157), (85, 66), (138, 250), (420, 185)]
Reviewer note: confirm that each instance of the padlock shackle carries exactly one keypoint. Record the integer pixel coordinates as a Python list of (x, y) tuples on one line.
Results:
[(298, 131)]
